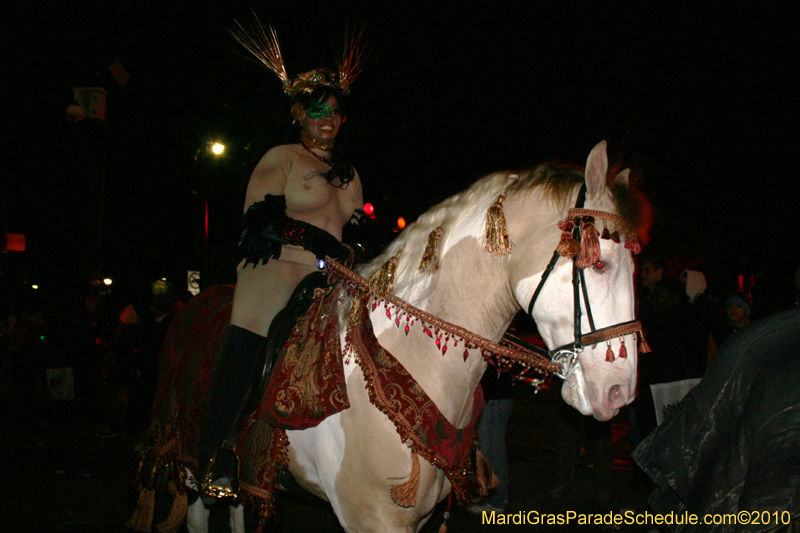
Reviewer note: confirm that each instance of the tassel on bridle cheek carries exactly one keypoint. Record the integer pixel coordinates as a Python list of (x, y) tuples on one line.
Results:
[(590, 244), (623, 351), (496, 240), (567, 246), (430, 257), (381, 283)]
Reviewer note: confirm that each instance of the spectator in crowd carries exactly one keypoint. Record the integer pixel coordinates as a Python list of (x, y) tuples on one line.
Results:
[(737, 312), (668, 333), (498, 395), (731, 446), (153, 333), (651, 272), (573, 429), (704, 317)]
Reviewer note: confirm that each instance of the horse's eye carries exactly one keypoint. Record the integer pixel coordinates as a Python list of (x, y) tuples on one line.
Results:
[(599, 266)]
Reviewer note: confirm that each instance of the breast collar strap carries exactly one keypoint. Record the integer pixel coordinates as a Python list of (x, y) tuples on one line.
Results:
[(567, 355)]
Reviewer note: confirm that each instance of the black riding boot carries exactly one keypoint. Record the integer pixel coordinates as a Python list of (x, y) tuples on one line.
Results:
[(230, 386)]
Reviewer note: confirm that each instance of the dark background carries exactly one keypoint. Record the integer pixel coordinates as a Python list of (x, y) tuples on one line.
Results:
[(700, 99)]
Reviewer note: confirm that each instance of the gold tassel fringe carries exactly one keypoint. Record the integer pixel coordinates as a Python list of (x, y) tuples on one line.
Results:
[(430, 257), (484, 475), (496, 240), (177, 515), (354, 319), (568, 246), (405, 494), (381, 283), (142, 517)]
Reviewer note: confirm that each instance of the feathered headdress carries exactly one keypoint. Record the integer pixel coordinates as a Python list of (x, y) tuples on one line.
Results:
[(263, 44)]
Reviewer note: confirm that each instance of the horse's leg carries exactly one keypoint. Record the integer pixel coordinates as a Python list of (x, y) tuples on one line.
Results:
[(237, 518), (197, 513), (197, 517), (353, 458)]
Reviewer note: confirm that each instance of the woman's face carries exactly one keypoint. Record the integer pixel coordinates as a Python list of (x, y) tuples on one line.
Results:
[(323, 120)]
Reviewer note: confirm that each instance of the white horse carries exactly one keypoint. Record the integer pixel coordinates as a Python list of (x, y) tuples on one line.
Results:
[(354, 457)]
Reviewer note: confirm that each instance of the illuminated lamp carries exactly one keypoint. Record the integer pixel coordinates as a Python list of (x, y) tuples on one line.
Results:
[(401, 222), (369, 208)]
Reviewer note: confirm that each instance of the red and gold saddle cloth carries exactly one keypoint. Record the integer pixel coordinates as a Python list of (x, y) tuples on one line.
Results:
[(307, 386), (418, 421)]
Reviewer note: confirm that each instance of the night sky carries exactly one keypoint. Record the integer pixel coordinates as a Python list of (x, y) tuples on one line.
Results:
[(701, 101)]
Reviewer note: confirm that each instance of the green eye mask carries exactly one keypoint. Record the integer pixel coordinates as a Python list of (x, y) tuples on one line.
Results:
[(318, 111)]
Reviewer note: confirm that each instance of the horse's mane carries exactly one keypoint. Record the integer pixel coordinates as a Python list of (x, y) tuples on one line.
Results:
[(557, 183)]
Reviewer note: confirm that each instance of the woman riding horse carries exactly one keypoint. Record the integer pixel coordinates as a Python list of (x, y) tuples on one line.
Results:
[(299, 198)]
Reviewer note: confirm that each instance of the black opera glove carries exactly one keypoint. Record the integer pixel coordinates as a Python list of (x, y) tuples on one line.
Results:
[(263, 223)]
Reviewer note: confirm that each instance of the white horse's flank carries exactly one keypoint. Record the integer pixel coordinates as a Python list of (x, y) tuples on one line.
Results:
[(352, 458)]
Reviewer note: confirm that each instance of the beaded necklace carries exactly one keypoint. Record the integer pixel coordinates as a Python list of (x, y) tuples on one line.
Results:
[(325, 160)]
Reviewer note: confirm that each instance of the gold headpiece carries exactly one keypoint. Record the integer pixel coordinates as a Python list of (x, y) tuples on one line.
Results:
[(263, 44)]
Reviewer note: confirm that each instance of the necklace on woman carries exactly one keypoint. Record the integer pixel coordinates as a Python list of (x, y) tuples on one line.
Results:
[(311, 142), (325, 160)]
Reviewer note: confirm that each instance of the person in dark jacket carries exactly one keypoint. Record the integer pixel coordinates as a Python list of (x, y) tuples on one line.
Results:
[(730, 446), (498, 397)]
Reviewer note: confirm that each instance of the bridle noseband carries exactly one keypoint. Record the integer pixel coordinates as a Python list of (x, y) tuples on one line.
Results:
[(567, 354)]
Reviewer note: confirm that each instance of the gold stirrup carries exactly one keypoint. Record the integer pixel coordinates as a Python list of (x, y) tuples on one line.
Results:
[(212, 486)]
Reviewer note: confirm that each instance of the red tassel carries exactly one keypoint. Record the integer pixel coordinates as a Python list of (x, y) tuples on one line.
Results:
[(609, 354), (590, 245), (606, 235), (615, 236), (566, 225), (623, 351), (644, 347)]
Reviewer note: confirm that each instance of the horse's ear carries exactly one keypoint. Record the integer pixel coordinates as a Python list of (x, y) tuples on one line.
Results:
[(623, 177), (596, 169)]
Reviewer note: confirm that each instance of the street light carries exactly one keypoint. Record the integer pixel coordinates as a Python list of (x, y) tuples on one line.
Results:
[(217, 149)]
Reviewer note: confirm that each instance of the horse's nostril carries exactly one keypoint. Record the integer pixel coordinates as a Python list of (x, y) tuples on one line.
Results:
[(614, 394)]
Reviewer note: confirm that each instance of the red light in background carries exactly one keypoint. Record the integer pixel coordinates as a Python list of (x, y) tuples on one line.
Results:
[(369, 208), (401, 222), (15, 242)]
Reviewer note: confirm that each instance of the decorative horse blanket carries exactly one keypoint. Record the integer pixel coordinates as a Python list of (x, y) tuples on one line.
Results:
[(307, 386)]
